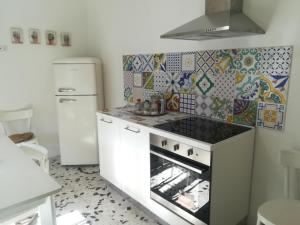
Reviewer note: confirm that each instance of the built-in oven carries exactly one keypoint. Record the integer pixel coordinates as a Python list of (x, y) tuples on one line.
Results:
[(180, 178)]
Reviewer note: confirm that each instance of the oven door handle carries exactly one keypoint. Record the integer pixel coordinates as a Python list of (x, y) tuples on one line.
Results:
[(177, 162)]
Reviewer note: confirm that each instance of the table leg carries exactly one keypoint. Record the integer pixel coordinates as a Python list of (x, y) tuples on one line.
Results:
[(47, 212)]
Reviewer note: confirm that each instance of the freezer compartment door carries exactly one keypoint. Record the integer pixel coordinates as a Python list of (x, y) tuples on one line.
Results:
[(77, 129), (75, 79)]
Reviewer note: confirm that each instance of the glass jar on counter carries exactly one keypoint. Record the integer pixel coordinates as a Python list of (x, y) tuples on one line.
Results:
[(147, 107), (139, 105)]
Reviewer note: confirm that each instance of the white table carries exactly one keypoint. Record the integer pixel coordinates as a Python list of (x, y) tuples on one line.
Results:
[(23, 185)]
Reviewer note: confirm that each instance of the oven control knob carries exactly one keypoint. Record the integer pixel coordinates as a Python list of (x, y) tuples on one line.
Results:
[(190, 152), (176, 147), (164, 143)]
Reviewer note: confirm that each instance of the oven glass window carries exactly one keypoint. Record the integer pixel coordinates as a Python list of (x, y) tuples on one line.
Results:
[(182, 187)]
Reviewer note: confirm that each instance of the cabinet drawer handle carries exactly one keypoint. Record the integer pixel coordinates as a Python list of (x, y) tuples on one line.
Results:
[(105, 121), (134, 131)]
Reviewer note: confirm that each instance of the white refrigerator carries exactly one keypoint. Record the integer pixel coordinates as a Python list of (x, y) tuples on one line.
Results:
[(79, 94)]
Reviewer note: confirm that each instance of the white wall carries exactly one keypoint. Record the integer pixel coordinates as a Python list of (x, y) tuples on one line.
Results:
[(119, 27), (25, 70)]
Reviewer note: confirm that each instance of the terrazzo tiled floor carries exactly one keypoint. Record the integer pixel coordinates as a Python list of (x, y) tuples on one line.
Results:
[(84, 190)]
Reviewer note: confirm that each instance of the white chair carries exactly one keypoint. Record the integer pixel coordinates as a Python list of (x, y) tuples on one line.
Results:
[(37, 153), (17, 123), (283, 211)]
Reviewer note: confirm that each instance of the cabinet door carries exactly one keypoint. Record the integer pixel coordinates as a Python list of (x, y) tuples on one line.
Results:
[(135, 163), (109, 142)]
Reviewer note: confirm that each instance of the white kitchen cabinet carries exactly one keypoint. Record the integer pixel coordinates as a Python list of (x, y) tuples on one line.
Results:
[(135, 164), (124, 156), (125, 162), (124, 150), (109, 149)]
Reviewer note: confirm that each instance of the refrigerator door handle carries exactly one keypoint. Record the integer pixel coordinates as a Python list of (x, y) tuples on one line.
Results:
[(66, 89), (66, 100)]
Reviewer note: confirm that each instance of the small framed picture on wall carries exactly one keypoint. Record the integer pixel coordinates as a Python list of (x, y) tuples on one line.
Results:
[(66, 40), (16, 35), (51, 37), (34, 36)]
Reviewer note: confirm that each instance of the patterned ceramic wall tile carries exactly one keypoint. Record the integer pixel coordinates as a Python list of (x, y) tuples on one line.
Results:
[(248, 61), (188, 60), (271, 115), (277, 61), (128, 95), (224, 86), (159, 62), (204, 105), (187, 103), (247, 86), (137, 80), (143, 63), (173, 101), (205, 62), (204, 84), (148, 80), (160, 79), (245, 112), (173, 62), (148, 63), (273, 89), (128, 79), (222, 109), (225, 61), (172, 82), (127, 63), (185, 82), (137, 63)]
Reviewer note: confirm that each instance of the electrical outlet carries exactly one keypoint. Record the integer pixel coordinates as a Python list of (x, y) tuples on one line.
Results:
[(3, 48)]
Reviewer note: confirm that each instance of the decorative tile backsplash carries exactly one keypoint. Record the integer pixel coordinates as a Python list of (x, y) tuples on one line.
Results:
[(243, 86)]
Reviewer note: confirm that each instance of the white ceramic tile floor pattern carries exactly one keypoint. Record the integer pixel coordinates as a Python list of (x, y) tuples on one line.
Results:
[(83, 189)]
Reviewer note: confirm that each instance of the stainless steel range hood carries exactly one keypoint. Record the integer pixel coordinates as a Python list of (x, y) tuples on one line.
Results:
[(222, 19)]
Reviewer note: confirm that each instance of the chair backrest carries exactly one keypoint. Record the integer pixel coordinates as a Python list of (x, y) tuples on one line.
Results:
[(8, 117), (291, 161)]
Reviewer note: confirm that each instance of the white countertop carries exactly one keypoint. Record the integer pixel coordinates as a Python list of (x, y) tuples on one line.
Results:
[(21, 180), (126, 113)]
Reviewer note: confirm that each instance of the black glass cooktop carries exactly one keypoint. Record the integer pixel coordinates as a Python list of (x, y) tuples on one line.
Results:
[(202, 129)]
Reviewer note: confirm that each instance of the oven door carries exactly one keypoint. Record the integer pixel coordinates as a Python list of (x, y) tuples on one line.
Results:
[(181, 185)]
